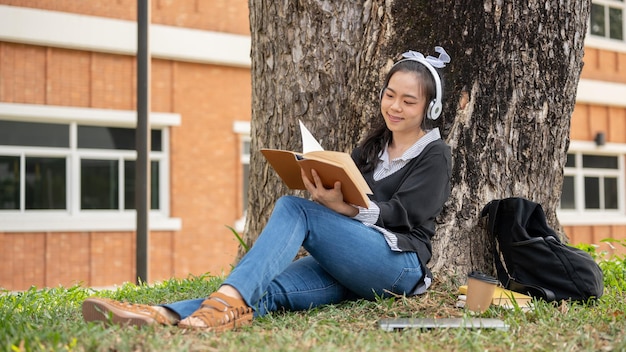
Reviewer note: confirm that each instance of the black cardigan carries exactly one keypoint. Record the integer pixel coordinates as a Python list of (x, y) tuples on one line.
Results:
[(411, 198)]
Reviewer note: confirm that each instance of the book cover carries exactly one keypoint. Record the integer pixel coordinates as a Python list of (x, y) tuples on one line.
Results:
[(331, 166)]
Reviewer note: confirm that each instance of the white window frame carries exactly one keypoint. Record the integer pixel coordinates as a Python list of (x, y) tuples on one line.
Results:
[(242, 129), (73, 218), (615, 4), (580, 215)]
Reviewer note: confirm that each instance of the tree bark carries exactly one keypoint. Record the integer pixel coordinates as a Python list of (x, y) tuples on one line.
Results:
[(314, 61), (519, 64), (509, 94)]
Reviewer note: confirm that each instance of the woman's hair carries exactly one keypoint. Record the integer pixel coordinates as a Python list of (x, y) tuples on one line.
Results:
[(379, 136)]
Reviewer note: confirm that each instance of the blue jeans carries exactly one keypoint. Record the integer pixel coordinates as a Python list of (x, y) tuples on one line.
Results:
[(348, 260)]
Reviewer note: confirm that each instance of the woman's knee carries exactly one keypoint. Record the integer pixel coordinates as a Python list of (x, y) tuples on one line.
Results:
[(292, 202), (287, 202)]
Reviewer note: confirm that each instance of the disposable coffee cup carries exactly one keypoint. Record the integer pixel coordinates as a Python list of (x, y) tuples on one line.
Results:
[(480, 289)]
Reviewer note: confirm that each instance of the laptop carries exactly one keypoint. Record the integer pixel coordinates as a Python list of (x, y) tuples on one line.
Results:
[(443, 323)]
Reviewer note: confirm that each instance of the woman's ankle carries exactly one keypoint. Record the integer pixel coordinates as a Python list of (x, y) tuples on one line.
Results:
[(230, 291)]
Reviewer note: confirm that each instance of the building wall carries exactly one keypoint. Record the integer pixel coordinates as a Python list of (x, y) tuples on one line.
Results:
[(230, 16), (205, 154), (205, 166), (604, 65), (591, 118), (206, 197), (594, 234)]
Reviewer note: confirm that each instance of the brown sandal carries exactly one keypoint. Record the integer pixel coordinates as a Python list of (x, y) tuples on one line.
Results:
[(110, 311), (219, 313)]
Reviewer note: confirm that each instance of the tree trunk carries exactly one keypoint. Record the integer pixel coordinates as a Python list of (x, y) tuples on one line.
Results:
[(519, 64), (312, 61), (509, 94)]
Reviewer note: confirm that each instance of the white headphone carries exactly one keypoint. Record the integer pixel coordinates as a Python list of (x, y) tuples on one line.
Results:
[(434, 107)]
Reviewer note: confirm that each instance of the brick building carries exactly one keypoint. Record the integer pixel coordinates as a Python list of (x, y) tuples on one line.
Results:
[(593, 201), (67, 109), (67, 113)]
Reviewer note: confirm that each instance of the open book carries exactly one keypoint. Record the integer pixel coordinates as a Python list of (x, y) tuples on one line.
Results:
[(331, 166)]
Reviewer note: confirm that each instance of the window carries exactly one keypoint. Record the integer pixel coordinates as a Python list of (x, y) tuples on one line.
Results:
[(43, 185), (592, 183), (73, 169), (105, 163), (607, 19)]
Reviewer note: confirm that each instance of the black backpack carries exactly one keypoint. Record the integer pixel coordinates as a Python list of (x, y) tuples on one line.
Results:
[(531, 259)]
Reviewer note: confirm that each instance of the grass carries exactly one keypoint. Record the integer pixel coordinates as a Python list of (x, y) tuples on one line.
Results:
[(50, 320)]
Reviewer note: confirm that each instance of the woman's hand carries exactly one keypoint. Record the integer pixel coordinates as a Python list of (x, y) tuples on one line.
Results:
[(331, 198)]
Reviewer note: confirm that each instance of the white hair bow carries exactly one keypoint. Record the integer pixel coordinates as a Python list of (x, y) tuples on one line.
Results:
[(438, 62)]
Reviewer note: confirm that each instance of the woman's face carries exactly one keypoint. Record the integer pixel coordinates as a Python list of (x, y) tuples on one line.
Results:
[(403, 103)]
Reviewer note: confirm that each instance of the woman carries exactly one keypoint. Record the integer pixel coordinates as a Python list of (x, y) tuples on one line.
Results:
[(354, 252)]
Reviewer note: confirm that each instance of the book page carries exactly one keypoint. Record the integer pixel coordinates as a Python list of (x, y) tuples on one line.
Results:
[(309, 143)]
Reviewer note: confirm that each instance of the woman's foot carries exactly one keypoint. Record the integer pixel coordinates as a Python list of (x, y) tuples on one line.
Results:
[(219, 313), (110, 311)]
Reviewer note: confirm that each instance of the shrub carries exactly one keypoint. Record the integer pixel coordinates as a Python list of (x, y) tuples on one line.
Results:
[(613, 266)]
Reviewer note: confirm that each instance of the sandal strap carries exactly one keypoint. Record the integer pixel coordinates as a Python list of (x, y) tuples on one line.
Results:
[(220, 309)]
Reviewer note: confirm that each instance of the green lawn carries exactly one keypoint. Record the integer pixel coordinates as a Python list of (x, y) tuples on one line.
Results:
[(50, 320)]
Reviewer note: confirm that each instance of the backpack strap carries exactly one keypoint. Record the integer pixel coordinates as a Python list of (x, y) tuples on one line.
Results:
[(532, 290), (491, 210)]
